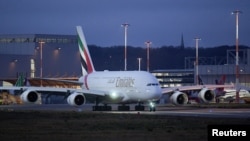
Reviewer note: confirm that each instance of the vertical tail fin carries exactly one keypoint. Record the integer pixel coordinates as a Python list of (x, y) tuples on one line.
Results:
[(200, 80), (20, 81), (86, 61), (223, 79), (220, 91)]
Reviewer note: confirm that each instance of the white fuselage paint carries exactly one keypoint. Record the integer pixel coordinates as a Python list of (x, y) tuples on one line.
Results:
[(129, 86)]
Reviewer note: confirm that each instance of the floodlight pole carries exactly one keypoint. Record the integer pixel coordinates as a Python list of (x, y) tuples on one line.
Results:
[(125, 25), (148, 45), (237, 12), (139, 64), (196, 62), (41, 62)]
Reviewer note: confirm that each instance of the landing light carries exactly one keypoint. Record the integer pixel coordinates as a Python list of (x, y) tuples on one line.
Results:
[(113, 95), (151, 104)]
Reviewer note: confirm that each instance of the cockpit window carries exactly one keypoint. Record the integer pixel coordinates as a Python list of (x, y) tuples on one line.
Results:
[(152, 84)]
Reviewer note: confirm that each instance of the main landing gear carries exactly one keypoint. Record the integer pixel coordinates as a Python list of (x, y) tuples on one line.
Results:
[(102, 108), (105, 107), (140, 107), (123, 107)]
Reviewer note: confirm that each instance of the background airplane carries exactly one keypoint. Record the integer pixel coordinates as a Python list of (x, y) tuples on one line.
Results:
[(229, 94), (202, 93), (223, 94)]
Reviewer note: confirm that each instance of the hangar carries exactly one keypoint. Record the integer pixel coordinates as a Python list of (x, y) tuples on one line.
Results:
[(35, 54)]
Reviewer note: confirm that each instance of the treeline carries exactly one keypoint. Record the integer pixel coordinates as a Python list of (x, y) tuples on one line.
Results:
[(165, 57)]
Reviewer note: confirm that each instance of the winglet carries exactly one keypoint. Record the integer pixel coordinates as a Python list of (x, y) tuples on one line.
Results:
[(86, 61)]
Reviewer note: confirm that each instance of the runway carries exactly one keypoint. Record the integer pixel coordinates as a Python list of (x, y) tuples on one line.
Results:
[(161, 110)]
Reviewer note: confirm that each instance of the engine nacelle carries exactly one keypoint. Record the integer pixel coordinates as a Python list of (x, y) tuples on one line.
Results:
[(179, 98), (29, 96), (206, 95), (76, 99)]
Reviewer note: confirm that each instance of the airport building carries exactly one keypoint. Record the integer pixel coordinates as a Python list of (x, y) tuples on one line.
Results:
[(175, 77), (210, 71), (35, 54)]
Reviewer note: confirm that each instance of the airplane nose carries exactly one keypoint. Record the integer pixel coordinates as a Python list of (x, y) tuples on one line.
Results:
[(158, 91), (155, 92)]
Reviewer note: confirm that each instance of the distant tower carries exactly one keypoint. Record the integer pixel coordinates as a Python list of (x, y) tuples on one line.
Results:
[(182, 42)]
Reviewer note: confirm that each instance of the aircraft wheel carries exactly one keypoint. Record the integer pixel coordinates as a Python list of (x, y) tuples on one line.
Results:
[(102, 108), (139, 108), (123, 108), (152, 109)]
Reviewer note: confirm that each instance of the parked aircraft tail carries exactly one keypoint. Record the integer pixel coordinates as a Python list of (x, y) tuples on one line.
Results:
[(200, 80), (220, 91), (221, 81), (22, 81), (86, 61)]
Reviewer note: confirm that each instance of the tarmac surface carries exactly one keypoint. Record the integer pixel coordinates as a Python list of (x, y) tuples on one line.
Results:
[(168, 110), (45, 122)]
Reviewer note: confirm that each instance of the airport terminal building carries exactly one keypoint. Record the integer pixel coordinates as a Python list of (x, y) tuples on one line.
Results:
[(57, 56)]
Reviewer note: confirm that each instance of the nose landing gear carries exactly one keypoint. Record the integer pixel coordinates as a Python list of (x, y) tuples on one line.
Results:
[(152, 106)]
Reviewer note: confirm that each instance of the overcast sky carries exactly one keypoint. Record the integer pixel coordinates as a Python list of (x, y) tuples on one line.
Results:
[(160, 21)]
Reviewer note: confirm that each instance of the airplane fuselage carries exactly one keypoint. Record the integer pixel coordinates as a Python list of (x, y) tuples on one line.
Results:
[(124, 86), (231, 93)]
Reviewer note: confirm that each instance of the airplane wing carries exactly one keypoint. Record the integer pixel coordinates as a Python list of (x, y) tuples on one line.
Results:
[(51, 81), (51, 89), (194, 87), (180, 95), (74, 97)]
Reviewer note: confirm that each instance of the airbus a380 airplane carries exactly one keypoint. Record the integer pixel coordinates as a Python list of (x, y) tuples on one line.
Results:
[(120, 87)]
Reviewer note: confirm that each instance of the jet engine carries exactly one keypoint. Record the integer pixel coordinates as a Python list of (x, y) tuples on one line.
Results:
[(179, 98), (29, 96), (206, 95), (76, 99)]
